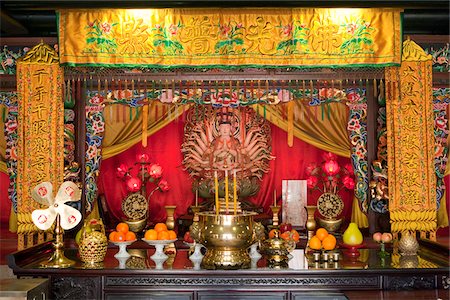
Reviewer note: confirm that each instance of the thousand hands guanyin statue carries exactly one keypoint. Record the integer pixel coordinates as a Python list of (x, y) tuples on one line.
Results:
[(233, 140)]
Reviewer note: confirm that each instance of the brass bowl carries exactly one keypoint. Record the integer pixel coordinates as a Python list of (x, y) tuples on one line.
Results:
[(330, 225), (226, 238), (136, 225)]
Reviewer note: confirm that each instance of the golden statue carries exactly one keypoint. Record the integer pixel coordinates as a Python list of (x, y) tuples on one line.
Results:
[(233, 140)]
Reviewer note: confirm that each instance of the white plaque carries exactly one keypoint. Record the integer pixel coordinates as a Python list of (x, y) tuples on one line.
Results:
[(294, 201)]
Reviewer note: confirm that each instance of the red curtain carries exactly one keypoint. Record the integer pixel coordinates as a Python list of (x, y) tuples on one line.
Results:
[(5, 203), (164, 149)]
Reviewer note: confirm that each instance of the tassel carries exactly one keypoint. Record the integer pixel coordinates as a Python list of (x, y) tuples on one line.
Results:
[(242, 124), (259, 91), (375, 92), (73, 90), (290, 127), (144, 123)]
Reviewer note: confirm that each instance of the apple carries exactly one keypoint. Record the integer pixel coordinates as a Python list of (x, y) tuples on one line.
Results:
[(187, 238), (285, 227), (377, 237), (386, 237)]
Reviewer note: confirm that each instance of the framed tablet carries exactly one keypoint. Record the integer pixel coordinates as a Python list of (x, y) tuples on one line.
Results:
[(294, 194)]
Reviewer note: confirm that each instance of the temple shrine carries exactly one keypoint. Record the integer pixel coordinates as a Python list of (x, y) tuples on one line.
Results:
[(188, 150)]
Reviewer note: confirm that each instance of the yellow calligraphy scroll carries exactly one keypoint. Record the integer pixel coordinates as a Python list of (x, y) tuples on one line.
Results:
[(271, 37), (409, 110), (41, 127)]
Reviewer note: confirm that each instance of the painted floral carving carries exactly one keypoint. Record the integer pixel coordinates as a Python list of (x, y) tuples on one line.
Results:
[(231, 36), (296, 36), (99, 35), (357, 36), (167, 38)]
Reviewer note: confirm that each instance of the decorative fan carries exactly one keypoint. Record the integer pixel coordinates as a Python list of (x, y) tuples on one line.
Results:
[(44, 218), (66, 216)]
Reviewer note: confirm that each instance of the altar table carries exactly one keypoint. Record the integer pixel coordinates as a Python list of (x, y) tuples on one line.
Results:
[(137, 278)]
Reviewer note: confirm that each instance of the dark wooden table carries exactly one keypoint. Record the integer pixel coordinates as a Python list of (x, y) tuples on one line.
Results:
[(137, 278)]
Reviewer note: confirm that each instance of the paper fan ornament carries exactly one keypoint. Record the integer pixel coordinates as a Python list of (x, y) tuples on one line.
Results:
[(44, 218)]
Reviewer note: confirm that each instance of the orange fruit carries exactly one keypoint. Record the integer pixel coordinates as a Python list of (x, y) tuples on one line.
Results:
[(315, 243), (163, 235), (122, 227), (112, 236), (151, 234), (120, 237), (295, 235), (130, 236), (160, 227), (172, 235), (286, 235), (329, 243), (321, 233), (272, 233)]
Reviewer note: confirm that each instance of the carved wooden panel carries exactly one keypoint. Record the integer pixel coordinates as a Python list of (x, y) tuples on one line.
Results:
[(76, 288), (409, 282), (329, 281), (154, 295)]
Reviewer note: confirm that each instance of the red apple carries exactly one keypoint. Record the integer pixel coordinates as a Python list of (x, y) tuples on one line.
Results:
[(187, 238), (285, 227)]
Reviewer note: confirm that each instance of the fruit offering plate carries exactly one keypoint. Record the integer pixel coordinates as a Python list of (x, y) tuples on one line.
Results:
[(352, 250), (159, 257), (159, 242), (122, 248)]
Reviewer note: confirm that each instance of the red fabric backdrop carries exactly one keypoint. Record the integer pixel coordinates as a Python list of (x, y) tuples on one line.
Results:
[(5, 204), (164, 149)]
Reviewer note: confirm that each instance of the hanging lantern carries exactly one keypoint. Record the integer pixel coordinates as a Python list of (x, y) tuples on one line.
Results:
[(134, 184), (142, 158), (331, 167), (312, 181)]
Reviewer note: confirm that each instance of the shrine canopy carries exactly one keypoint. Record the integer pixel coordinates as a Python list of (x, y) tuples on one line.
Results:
[(224, 38)]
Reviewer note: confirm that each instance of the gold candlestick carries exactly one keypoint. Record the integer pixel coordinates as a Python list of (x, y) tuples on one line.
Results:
[(195, 210), (310, 222), (170, 221), (275, 209), (58, 260)]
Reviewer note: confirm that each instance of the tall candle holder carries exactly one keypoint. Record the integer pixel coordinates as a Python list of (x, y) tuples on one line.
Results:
[(310, 222), (195, 209), (275, 219), (170, 221)]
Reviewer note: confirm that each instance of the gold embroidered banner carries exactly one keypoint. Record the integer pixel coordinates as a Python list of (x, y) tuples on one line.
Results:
[(41, 126), (409, 114), (271, 37)]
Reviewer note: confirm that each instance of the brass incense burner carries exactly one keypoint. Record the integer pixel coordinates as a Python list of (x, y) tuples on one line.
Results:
[(226, 238), (277, 250)]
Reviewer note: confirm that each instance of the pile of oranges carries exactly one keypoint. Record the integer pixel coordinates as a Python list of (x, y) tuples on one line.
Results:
[(160, 232), (287, 235), (322, 240), (122, 234)]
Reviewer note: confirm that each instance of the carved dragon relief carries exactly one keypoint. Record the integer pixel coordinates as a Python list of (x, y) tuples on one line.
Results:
[(226, 139)]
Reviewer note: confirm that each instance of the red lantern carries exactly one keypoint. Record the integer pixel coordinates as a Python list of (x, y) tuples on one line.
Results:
[(349, 182), (311, 182), (134, 184), (331, 167), (142, 158), (122, 170)]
